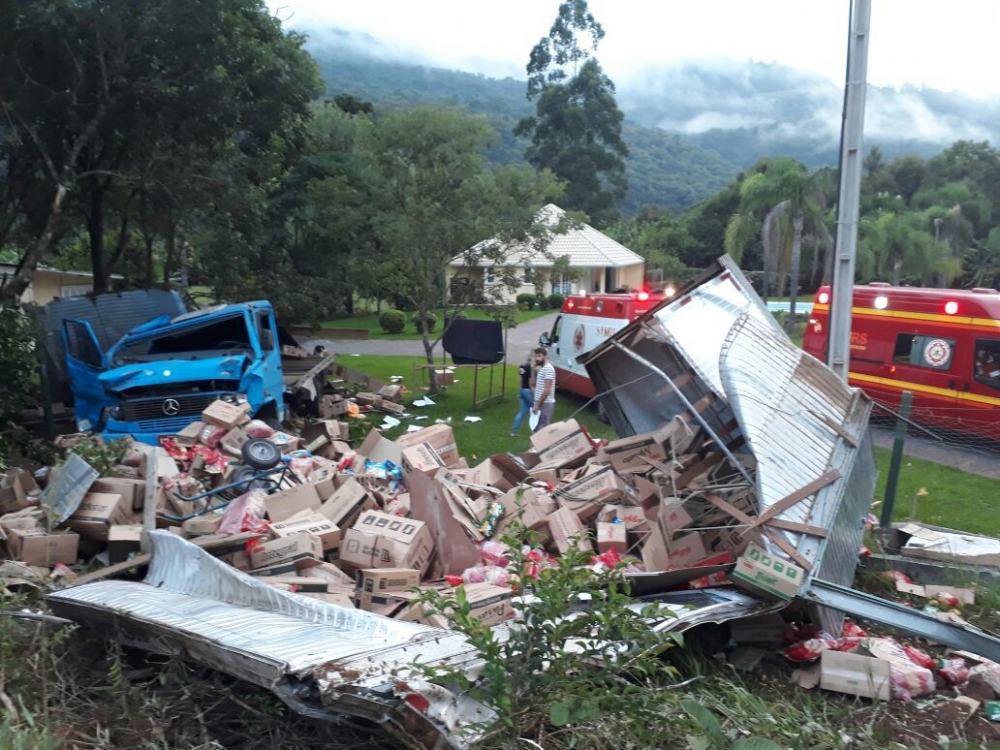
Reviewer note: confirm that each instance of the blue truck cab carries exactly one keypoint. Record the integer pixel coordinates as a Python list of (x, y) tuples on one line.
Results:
[(160, 376)]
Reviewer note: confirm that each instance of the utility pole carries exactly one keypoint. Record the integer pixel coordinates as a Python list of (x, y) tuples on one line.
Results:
[(851, 136)]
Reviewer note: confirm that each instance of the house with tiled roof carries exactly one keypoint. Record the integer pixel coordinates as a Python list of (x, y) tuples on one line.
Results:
[(606, 265)]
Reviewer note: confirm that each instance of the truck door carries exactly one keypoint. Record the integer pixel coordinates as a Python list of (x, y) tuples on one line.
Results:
[(927, 365), (267, 338), (979, 398), (84, 363)]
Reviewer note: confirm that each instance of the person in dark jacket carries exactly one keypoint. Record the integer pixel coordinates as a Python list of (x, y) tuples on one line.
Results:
[(524, 395)]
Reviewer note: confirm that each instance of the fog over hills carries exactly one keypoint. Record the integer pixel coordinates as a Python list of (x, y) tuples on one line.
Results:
[(690, 126)]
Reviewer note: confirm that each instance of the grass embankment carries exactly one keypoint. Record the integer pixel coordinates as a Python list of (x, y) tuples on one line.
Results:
[(370, 323)]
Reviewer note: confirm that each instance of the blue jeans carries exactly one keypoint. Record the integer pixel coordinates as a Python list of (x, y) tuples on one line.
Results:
[(525, 398)]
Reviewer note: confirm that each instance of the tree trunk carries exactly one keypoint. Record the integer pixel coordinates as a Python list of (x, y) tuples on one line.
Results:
[(765, 284), (148, 239), (793, 282), (95, 232), (428, 350), (14, 287), (897, 268), (170, 242)]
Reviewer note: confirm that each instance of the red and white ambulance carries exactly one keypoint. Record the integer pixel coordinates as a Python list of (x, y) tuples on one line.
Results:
[(943, 345), (584, 322)]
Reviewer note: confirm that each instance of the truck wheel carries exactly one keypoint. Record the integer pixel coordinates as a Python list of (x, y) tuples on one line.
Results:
[(261, 454)]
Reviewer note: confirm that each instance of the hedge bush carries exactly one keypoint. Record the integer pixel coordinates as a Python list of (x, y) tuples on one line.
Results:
[(543, 303), (392, 321), (556, 301), (418, 325), (526, 301)]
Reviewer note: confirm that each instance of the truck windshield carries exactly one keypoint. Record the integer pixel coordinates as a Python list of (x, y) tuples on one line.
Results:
[(214, 338)]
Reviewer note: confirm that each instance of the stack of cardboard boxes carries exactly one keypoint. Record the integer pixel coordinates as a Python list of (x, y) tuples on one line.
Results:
[(369, 526)]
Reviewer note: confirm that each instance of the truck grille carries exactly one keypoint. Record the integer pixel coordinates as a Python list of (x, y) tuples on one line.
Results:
[(153, 409), (165, 426)]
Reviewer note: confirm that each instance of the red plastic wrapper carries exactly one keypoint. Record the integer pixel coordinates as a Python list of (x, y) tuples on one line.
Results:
[(454, 580), (892, 576), (811, 649), (953, 671), (487, 574), (920, 658), (851, 637), (255, 428), (946, 600), (853, 630), (211, 435), (245, 513), (864, 552), (610, 559), (494, 553), (719, 578)]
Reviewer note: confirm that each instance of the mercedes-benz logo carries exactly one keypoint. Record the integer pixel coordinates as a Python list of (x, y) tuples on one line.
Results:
[(171, 407)]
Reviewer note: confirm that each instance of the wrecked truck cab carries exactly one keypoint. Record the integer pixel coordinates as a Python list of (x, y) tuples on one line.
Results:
[(161, 375)]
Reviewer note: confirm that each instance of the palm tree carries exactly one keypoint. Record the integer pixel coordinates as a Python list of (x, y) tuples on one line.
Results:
[(783, 200), (901, 243)]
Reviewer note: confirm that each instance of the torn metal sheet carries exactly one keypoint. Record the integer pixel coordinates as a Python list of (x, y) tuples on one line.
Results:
[(66, 490), (323, 660), (806, 430)]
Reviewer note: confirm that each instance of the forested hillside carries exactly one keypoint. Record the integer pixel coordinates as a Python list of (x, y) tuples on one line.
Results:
[(663, 169)]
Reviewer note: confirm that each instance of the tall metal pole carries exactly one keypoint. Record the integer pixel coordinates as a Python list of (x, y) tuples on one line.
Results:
[(851, 137)]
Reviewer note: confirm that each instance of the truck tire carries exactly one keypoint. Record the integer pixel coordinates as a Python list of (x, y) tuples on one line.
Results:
[(261, 454)]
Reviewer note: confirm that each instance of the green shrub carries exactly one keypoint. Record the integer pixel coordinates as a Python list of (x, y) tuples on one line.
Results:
[(392, 321), (556, 301), (526, 301), (19, 388), (543, 303), (418, 324)]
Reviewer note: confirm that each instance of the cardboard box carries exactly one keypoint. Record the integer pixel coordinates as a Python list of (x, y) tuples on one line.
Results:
[(764, 574), (224, 414), (391, 392), (444, 377), (303, 550), (15, 487), (568, 532), (373, 585), (97, 513), (379, 540), (190, 434), (328, 428), (298, 584), (322, 479), (455, 549), (423, 458), (490, 474), (532, 507), (440, 437), (333, 406), (564, 441), (686, 550), (587, 495), (612, 536), (626, 454), (398, 505), (329, 573), (377, 448), (38, 547), (488, 603), (232, 442), (123, 540), (285, 504), (308, 522), (855, 674), (201, 525), (132, 490), (346, 504), (673, 517)]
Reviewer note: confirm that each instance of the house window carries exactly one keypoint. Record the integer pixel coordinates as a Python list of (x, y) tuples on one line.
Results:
[(489, 277), (564, 288), (75, 290), (529, 274)]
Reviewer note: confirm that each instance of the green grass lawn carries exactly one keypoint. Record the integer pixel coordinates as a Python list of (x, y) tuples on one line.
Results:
[(476, 440), (371, 324), (928, 492)]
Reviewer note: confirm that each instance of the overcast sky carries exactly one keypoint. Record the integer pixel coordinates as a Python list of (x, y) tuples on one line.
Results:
[(944, 45)]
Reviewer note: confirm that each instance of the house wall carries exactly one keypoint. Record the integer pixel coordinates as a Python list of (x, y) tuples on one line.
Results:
[(592, 280)]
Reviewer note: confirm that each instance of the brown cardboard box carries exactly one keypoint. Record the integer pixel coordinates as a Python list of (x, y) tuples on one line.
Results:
[(673, 517), (855, 674), (309, 522), (123, 540), (564, 441), (379, 540), (232, 442), (303, 550), (28, 518), (329, 573), (374, 585), (568, 532), (391, 392), (97, 513), (455, 549), (38, 547), (333, 406), (441, 438), (322, 479), (377, 448), (535, 506), (201, 525), (655, 557), (239, 560), (285, 504), (365, 398), (347, 503), (190, 434), (290, 568), (764, 574), (286, 442), (15, 486), (586, 495), (626, 454), (686, 550), (444, 377), (132, 490), (392, 407), (490, 474), (488, 603), (421, 457), (612, 536), (398, 505), (297, 584), (328, 428), (224, 414)]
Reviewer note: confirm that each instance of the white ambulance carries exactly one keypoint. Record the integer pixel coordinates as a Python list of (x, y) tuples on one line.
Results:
[(584, 322)]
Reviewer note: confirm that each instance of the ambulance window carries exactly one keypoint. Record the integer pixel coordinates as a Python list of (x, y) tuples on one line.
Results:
[(600, 305), (555, 329), (932, 352), (987, 364)]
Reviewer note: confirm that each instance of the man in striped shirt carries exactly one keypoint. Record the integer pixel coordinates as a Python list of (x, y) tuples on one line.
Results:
[(545, 388)]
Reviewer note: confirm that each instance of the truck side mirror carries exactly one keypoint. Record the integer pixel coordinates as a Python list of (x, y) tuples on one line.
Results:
[(543, 339)]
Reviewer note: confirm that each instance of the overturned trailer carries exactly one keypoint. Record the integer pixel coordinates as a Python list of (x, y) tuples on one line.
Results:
[(712, 357)]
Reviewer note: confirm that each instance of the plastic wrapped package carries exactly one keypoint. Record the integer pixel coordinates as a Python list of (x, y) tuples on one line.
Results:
[(245, 513), (493, 574), (211, 434), (256, 428), (492, 552)]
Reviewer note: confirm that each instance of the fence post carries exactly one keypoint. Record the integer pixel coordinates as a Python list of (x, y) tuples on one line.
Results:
[(892, 481)]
